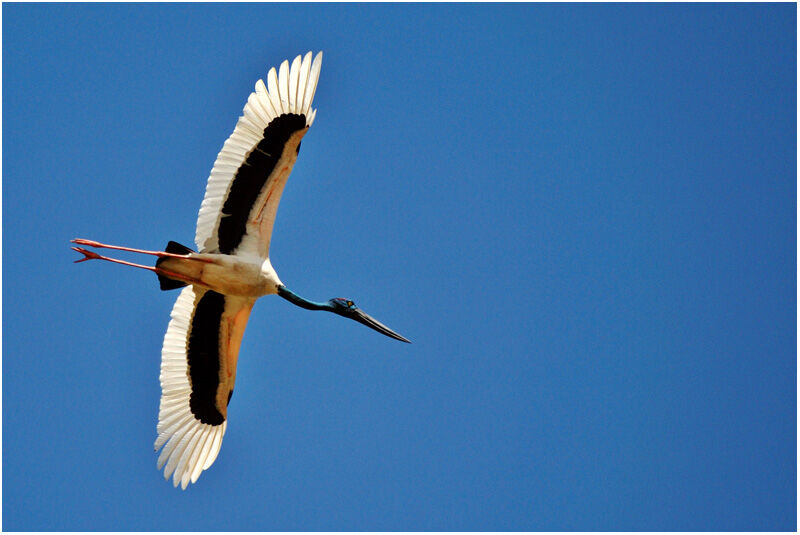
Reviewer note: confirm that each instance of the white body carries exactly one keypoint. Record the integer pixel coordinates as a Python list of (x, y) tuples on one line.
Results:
[(243, 276)]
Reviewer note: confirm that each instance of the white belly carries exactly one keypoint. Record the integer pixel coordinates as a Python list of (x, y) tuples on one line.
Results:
[(226, 274)]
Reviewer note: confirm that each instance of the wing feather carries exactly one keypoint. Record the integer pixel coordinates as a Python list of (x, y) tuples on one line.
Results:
[(205, 446), (265, 99), (260, 154), (180, 468), (305, 70), (212, 454), (274, 94), (283, 86), (294, 78), (254, 107), (198, 371), (177, 453), (313, 78)]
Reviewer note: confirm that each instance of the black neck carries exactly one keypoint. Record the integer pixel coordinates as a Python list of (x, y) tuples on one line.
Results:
[(295, 299)]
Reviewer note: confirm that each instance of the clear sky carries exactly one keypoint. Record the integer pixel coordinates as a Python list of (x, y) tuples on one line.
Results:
[(584, 216)]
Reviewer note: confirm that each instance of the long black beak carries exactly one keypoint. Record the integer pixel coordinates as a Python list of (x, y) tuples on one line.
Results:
[(371, 322)]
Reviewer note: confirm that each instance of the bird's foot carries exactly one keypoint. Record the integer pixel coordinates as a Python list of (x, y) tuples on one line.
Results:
[(90, 243), (87, 255)]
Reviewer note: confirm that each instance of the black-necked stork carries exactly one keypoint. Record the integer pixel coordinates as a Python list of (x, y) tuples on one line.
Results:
[(231, 269)]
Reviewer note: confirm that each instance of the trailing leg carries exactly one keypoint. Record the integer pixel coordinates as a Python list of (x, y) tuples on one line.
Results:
[(168, 279), (172, 249)]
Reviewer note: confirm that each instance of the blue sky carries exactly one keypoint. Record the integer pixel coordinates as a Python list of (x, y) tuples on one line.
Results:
[(584, 216)]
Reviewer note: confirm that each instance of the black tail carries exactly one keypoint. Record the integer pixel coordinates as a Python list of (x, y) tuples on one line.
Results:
[(165, 282)]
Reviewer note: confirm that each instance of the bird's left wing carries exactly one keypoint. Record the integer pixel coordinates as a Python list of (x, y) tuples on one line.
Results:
[(198, 370), (248, 177)]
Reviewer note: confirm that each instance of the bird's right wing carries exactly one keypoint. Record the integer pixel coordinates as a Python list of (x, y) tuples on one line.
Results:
[(248, 177), (198, 370)]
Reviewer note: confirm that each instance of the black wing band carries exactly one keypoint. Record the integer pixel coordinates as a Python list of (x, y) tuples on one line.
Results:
[(251, 177), (202, 356)]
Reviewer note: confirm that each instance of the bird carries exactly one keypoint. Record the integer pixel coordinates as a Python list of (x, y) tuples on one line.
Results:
[(221, 280)]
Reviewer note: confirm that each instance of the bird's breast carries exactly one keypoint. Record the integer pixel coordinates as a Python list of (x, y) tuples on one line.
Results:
[(226, 274)]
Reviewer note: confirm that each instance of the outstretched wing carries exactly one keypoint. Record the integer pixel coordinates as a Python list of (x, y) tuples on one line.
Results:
[(248, 177), (198, 370)]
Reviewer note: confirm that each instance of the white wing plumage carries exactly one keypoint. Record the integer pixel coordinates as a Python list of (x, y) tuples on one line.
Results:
[(290, 91), (189, 445)]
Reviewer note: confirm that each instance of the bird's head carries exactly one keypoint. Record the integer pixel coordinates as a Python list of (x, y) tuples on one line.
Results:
[(348, 309)]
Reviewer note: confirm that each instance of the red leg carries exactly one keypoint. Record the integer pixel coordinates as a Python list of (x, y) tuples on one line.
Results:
[(98, 245), (91, 255)]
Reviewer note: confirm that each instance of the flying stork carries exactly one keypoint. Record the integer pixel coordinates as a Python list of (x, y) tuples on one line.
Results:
[(230, 270)]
